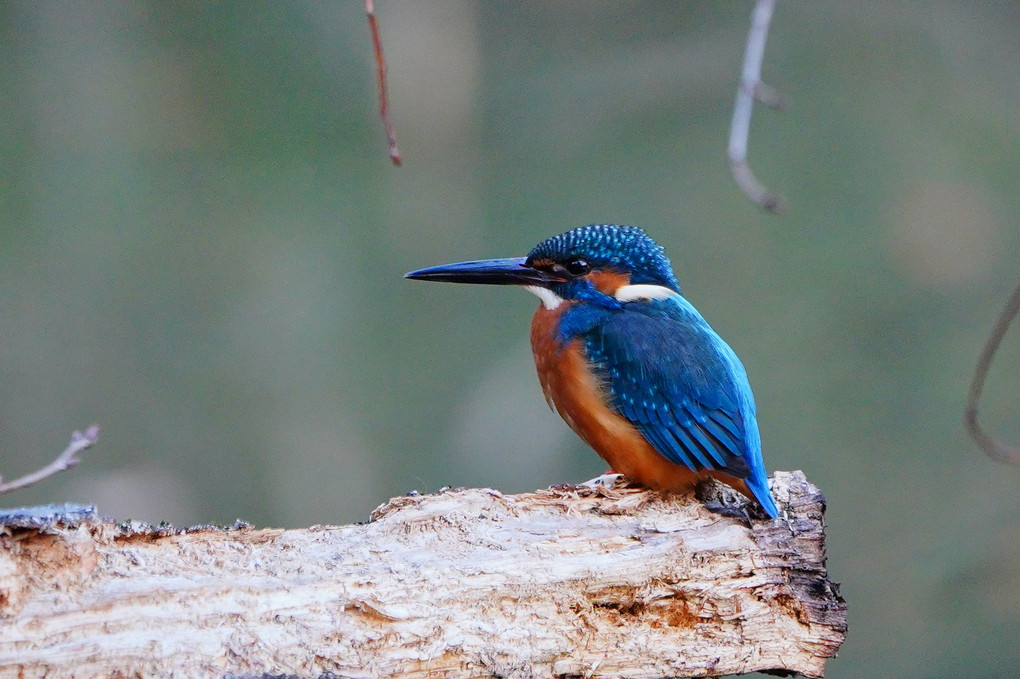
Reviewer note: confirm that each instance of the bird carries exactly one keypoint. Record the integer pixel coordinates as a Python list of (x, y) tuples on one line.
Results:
[(629, 363)]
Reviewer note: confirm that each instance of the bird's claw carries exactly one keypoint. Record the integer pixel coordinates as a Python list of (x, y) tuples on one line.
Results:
[(607, 480)]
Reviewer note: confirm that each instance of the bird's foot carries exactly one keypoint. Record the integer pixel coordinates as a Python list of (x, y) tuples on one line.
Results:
[(722, 499), (607, 480)]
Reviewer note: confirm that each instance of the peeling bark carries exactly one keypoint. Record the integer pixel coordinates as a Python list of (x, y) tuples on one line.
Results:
[(593, 582)]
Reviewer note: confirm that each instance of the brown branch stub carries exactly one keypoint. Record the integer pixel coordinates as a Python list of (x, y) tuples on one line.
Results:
[(80, 441), (993, 448), (380, 62), (585, 581), (751, 87)]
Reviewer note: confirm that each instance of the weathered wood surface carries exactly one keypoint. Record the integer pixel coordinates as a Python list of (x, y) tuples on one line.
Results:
[(600, 582)]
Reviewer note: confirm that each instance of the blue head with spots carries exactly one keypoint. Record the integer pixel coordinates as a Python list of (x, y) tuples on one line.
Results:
[(605, 248)]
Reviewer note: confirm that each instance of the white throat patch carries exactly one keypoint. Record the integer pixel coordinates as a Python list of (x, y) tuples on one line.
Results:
[(634, 293), (550, 300)]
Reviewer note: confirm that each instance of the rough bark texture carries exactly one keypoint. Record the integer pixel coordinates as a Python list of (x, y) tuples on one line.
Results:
[(592, 582)]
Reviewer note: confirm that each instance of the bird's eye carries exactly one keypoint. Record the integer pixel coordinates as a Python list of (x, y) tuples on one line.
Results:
[(577, 266)]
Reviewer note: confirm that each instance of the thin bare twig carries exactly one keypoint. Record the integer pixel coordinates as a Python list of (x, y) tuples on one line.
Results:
[(380, 62), (994, 449), (80, 441), (751, 88)]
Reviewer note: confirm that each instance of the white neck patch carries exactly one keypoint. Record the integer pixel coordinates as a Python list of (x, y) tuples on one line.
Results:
[(634, 293), (550, 300)]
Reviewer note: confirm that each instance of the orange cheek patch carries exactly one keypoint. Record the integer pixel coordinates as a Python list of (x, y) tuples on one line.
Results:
[(608, 282)]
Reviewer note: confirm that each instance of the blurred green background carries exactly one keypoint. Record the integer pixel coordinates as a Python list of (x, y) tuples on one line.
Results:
[(203, 241)]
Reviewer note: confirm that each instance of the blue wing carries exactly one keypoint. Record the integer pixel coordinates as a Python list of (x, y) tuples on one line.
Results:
[(685, 390)]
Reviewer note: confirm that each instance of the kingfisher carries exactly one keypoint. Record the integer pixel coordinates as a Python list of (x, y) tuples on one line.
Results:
[(629, 363)]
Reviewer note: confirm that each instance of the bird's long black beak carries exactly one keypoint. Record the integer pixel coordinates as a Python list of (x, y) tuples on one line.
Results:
[(511, 271)]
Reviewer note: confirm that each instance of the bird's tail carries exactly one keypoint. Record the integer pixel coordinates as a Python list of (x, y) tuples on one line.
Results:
[(758, 484)]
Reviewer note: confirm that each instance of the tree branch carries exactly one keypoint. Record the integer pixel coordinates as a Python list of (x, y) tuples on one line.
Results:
[(576, 581), (750, 88), (380, 63), (69, 458), (993, 448)]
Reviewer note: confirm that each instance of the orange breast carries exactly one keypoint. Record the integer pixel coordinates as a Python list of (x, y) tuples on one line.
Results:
[(573, 390)]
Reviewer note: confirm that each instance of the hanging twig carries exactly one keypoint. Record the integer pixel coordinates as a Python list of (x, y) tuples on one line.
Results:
[(751, 87), (380, 62), (69, 458), (994, 449)]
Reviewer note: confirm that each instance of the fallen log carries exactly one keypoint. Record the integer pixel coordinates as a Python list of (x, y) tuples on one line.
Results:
[(593, 581)]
